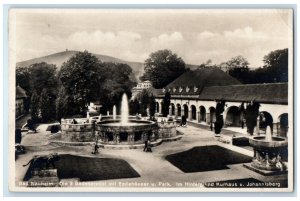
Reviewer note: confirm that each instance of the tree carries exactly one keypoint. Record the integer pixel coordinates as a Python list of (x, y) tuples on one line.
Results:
[(143, 98), (219, 117), (205, 64), (251, 114), (162, 67), (117, 82), (34, 107), (237, 67), (134, 107), (276, 62), (63, 105), (152, 106), (23, 79), (46, 106), (81, 77), (43, 76), (44, 84), (166, 104)]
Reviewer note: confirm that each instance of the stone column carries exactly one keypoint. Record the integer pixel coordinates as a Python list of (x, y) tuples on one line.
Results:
[(182, 112), (160, 108), (198, 116), (207, 118), (190, 115), (170, 110), (176, 111)]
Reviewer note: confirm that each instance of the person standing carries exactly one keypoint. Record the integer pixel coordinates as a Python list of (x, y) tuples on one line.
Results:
[(149, 146)]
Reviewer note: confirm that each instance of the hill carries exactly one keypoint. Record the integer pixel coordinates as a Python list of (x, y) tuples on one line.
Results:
[(59, 58)]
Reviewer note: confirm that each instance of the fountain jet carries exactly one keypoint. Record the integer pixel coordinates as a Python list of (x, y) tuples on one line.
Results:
[(268, 134), (124, 110), (114, 113)]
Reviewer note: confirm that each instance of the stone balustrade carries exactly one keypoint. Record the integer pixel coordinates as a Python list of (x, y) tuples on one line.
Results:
[(82, 131)]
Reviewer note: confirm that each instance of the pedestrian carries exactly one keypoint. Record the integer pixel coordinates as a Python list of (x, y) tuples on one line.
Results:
[(96, 147), (149, 146)]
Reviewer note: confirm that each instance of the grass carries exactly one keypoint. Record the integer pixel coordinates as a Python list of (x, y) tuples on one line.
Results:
[(206, 158), (91, 169)]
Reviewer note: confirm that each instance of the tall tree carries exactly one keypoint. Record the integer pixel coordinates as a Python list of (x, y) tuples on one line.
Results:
[(43, 76), (152, 106), (81, 77), (251, 114), (143, 100), (162, 67), (34, 107), (134, 107), (117, 81), (276, 62), (238, 67), (44, 83), (23, 79), (46, 106), (166, 104)]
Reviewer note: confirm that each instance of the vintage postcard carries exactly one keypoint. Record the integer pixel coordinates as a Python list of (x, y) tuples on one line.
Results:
[(151, 100)]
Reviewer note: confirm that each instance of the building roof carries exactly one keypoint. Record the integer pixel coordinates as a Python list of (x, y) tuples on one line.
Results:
[(214, 84), (201, 78), (263, 93), (20, 92)]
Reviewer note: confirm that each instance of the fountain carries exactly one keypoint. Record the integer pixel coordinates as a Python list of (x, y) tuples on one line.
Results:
[(113, 131), (267, 152), (124, 130), (124, 110), (114, 113)]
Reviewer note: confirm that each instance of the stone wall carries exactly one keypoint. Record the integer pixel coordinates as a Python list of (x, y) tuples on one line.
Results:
[(83, 131), (167, 129)]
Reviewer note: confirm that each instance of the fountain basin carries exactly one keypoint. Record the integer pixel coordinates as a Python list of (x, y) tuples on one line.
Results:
[(267, 153), (132, 132), (260, 142)]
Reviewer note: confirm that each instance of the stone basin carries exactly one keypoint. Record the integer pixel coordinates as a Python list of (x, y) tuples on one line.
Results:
[(132, 125), (130, 133), (267, 153), (260, 142)]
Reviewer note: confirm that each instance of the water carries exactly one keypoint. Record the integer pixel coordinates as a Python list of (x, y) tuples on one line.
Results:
[(124, 110), (268, 134), (114, 113)]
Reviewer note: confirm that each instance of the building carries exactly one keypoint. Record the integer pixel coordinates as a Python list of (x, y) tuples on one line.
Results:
[(194, 95), (140, 87), (20, 101)]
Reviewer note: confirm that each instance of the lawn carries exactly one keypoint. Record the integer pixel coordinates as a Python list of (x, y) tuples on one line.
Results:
[(91, 169), (206, 158)]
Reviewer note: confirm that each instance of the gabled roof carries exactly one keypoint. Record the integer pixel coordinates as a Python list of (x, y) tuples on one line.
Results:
[(20, 92), (203, 77), (263, 93)]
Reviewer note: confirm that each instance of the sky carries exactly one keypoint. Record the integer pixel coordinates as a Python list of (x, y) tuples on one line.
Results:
[(194, 35)]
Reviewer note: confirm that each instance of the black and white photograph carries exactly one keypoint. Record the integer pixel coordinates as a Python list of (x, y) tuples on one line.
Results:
[(151, 100)]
